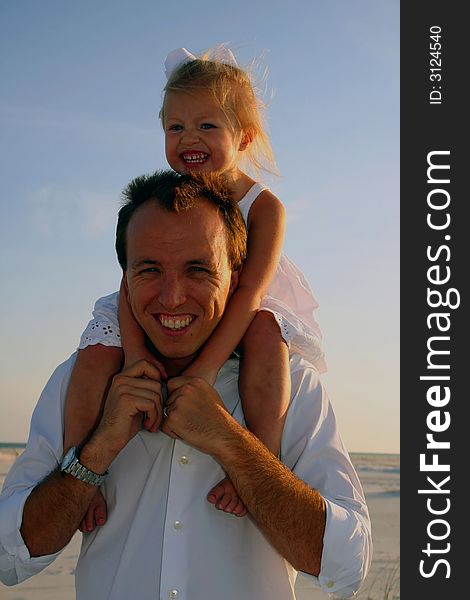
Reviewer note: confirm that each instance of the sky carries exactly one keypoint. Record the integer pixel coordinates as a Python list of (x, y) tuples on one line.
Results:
[(80, 93)]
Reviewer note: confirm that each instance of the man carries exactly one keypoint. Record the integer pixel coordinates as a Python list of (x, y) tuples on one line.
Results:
[(180, 243)]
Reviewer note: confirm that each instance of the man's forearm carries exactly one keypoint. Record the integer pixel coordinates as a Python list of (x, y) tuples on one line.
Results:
[(53, 511), (56, 506), (288, 512)]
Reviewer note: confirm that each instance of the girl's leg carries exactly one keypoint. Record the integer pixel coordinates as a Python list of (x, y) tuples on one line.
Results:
[(264, 383), (91, 376), (265, 380)]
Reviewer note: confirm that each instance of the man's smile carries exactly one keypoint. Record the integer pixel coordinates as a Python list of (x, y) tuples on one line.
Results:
[(173, 323)]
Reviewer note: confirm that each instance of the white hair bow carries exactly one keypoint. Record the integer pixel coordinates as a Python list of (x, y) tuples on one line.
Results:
[(179, 56), (175, 59)]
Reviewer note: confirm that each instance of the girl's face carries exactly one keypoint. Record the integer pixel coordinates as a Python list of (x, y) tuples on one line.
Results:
[(198, 135)]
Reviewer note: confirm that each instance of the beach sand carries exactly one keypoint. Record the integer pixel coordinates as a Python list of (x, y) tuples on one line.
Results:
[(382, 583)]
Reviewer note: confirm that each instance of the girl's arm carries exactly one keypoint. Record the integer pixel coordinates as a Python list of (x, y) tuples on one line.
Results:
[(133, 336), (266, 226), (93, 371)]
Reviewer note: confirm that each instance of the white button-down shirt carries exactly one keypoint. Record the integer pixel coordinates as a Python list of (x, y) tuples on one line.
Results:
[(163, 539)]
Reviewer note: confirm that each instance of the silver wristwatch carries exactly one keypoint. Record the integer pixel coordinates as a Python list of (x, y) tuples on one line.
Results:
[(71, 465)]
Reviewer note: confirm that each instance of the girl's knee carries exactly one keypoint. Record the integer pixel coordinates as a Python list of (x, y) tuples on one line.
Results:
[(264, 329)]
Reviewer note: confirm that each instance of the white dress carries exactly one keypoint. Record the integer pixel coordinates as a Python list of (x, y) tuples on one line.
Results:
[(289, 298)]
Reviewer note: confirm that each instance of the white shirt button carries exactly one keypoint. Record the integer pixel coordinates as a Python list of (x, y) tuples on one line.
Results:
[(184, 460), (330, 584), (177, 525), (173, 594)]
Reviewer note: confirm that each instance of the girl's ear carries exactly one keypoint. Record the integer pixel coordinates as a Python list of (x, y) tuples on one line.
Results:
[(246, 140)]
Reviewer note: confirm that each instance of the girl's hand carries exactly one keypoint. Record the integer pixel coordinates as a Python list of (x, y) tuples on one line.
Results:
[(131, 358), (194, 370)]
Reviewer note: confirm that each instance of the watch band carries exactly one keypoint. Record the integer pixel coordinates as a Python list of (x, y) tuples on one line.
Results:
[(76, 469), (73, 467)]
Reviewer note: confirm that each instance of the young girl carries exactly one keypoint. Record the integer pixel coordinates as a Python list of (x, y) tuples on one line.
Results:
[(212, 121)]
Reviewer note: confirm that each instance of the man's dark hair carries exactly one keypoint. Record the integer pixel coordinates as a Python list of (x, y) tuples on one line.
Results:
[(176, 193)]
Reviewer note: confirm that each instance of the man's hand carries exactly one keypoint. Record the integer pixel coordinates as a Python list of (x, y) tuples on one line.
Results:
[(134, 400), (196, 414), (289, 513), (54, 509)]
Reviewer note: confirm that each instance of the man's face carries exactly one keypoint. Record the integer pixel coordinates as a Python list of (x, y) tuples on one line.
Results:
[(178, 276)]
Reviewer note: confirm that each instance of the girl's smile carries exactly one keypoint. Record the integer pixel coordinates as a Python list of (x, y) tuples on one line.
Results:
[(198, 134), (194, 158)]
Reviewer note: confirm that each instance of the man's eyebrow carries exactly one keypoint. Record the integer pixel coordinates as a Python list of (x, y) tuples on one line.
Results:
[(204, 262), (143, 262)]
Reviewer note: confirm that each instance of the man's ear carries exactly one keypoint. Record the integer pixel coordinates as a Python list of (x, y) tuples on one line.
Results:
[(124, 286), (246, 140), (235, 278)]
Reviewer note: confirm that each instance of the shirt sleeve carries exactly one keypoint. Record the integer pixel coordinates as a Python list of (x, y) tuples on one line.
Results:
[(42, 455), (312, 448), (104, 326)]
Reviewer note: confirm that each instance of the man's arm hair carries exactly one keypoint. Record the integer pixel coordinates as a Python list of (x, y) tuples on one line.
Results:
[(289, 513), (53, 511)]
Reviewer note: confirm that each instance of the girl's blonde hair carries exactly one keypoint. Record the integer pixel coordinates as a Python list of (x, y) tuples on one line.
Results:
[(233, 91)]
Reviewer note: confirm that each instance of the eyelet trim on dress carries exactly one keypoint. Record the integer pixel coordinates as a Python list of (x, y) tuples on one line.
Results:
[(100, 332), (309, 346)]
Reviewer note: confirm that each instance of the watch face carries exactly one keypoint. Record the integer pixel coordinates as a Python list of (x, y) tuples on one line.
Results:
[(68, 458)]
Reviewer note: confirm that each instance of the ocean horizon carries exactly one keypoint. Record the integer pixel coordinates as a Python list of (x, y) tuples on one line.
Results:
[(379, 472), (23, 445)]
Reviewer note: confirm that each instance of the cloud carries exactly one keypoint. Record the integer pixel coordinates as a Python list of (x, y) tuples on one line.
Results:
[(296, 210), (58, 211), (68, 121)]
